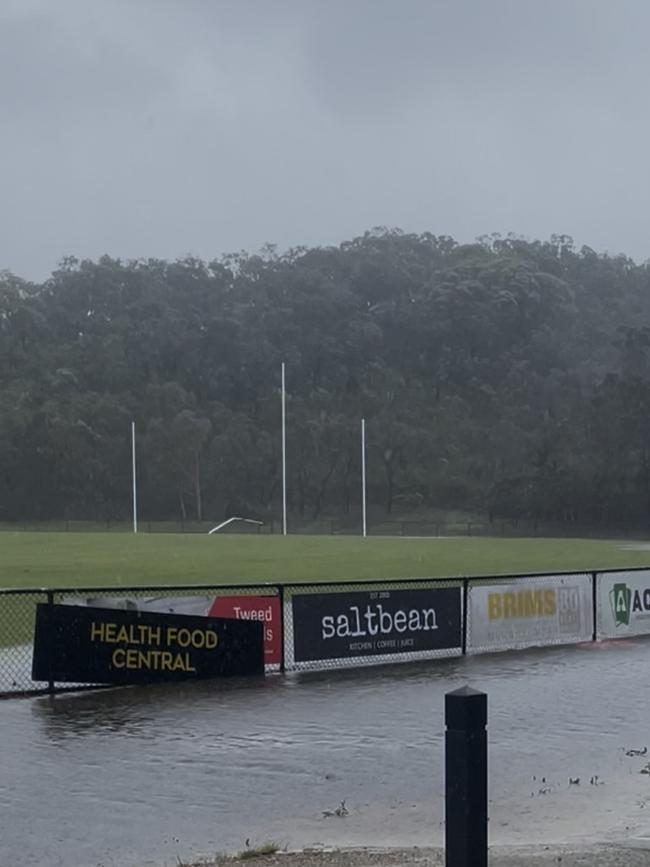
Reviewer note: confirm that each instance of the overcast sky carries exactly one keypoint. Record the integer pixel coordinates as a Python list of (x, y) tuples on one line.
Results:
[(164, 127)]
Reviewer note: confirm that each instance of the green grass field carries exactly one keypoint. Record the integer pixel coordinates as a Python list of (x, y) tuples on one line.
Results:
[(69, 560), (103, 559)]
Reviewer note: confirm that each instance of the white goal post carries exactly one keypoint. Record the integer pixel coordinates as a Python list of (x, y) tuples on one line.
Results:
[(230, 520)]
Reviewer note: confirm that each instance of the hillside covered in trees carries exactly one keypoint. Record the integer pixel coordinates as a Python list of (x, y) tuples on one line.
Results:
[(504, 377)]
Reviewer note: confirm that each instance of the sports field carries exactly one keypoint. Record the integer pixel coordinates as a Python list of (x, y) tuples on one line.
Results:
[(42, 559)]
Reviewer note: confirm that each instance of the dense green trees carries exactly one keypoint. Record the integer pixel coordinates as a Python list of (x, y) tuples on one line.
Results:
[(505, 377)]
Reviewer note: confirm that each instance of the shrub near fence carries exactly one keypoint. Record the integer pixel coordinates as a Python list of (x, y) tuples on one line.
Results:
[(343, 624)]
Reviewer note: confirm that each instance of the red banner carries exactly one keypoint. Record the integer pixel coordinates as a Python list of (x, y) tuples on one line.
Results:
[(262, 608)]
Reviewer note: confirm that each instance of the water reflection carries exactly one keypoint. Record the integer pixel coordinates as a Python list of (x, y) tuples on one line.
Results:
[(122, 775)]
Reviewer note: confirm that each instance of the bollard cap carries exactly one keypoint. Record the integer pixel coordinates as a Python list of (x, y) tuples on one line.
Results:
[(466, 709)]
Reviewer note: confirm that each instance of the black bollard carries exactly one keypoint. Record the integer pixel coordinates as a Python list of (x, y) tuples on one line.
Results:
[(466, 838)]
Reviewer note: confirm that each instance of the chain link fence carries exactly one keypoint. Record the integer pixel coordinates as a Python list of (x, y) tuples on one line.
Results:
[(17, 616), (18, 610), (346, 624)]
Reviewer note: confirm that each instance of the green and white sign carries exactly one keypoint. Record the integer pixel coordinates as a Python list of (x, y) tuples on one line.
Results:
[(624, 603), (620, 598)]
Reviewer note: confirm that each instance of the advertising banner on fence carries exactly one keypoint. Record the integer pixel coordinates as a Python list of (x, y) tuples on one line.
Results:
[(551, 610), (243, 607), (342, 625), (623, 603), (75, 644), (265, 609)]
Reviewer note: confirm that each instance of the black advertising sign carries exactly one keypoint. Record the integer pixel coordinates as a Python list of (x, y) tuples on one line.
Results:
[(374, 622), (75, 644)]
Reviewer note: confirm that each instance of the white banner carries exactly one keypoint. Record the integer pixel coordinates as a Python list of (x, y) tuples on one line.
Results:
[(530, 612), (623, 603), (195, 605)]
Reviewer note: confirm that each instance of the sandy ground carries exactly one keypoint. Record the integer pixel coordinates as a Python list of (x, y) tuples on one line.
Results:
[(537, 856)]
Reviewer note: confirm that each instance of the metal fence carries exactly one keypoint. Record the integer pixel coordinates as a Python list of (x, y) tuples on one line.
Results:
[(347, 624), (380, 525), (18, 610), (17, 615)]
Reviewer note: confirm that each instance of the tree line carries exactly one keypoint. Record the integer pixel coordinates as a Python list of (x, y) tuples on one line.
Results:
[(505, 377)]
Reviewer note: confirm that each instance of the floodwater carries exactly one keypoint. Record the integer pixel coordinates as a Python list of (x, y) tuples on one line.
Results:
[(140, 776)]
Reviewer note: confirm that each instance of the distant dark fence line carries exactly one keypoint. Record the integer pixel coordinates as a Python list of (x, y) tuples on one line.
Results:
[(524, 528), (315, 626)]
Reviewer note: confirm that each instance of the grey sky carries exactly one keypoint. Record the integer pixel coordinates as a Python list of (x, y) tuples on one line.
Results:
[(165, 127)]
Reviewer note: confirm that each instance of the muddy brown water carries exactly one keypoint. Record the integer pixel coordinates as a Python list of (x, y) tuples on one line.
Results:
[(142, 775)]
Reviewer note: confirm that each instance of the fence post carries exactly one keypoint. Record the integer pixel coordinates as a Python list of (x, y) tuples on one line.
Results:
[(50, 680), (466, 838), (465, 602), (594, 605), (281, 597)]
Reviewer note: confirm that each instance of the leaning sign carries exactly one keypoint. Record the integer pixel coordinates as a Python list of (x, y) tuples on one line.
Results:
[(555, 609), (74, 644), (623, 603), (250, 606), (362, 623)]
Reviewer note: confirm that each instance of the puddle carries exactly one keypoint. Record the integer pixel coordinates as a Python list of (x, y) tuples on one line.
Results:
[(145, 774)]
